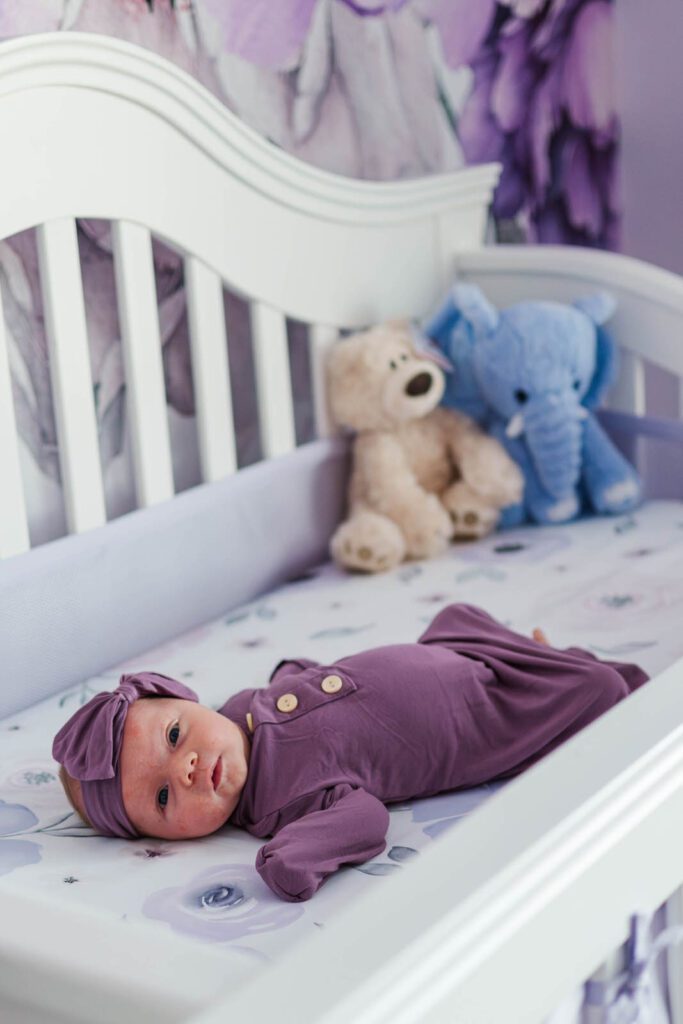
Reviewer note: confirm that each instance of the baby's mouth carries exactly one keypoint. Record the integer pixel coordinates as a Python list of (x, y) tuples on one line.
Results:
[(217, 773)]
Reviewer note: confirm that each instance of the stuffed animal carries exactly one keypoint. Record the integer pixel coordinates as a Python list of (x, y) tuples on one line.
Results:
[(530, 374), (421, 475)]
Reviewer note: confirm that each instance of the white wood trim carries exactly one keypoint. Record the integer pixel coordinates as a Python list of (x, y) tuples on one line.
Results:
[(145, 390), (321, 338), (14, 537), (104, 972), (70, 374), (115, 67), (273, 380), (210, 370), (628, 394), (76, 107)]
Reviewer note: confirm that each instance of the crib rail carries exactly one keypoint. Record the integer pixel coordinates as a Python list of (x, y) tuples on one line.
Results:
[(147, 420), (96, 128)]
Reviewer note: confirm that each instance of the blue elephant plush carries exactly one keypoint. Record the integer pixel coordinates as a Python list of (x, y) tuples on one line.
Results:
[(531, 374)]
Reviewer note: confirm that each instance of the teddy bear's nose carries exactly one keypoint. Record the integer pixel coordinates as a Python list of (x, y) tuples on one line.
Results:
[(420, 384)]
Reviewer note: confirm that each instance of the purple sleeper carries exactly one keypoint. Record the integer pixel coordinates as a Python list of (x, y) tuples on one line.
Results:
[(470, 702), (311, 761)]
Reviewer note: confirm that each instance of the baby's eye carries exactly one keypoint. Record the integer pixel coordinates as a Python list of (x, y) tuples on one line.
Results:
[(174, 733), (393, 365), (404, 358), (162, 797), (521, 396)]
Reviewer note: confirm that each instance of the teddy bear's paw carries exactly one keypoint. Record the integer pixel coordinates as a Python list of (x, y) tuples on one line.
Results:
[(368, 542), (492, 474), (428, 529), (470, 514)]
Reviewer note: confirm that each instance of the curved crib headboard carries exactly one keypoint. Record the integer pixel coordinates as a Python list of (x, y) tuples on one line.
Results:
[(94, 127)]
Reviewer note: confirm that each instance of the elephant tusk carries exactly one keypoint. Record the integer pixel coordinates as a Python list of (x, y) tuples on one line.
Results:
[(516, 426)]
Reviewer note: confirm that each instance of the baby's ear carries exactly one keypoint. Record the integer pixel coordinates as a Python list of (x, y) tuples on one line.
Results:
[(474, 307), (598, 307)]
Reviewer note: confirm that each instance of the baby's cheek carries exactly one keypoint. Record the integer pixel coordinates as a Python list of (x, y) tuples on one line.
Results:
[(195, 822)]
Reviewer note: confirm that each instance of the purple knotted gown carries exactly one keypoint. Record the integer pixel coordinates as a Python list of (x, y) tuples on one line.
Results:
[(470, 702)]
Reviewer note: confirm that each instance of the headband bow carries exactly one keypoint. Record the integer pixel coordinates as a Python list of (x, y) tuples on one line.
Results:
[(89, 746)]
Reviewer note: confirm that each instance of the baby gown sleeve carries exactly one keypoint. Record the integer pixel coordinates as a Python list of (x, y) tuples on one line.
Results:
[(349, 827)]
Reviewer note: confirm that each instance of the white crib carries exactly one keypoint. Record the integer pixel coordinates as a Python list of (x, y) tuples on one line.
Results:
[(96, 128)]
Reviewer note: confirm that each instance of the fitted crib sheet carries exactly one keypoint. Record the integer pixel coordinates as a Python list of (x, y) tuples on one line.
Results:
[(614, 586)]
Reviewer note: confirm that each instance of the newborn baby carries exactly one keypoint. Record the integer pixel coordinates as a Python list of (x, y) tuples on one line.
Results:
[(312, 759)]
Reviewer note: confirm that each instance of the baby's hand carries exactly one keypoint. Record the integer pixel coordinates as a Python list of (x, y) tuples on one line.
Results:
[(540, 637)]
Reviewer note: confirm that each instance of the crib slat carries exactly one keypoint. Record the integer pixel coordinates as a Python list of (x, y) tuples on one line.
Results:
[(145, 392), (14, 537), (210, 370), (273, 382), (628, 395), (70, 374), (320, 340)]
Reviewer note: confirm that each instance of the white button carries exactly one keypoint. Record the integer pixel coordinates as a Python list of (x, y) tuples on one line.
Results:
[(331, 684), (287, 702), (250, 721)]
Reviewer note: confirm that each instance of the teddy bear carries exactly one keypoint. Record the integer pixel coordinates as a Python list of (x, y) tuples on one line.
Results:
[(421, 474)]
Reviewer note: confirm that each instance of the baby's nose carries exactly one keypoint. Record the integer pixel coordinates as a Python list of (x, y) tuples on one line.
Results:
[(188, 766)]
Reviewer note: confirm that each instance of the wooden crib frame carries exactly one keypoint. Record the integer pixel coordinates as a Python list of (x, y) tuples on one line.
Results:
[(492, 923)]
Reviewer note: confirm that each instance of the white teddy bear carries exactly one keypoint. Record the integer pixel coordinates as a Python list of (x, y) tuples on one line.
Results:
[(421, 475)]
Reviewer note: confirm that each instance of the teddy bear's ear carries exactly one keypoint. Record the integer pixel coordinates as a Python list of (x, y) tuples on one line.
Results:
[(598, 307), (475, 308)]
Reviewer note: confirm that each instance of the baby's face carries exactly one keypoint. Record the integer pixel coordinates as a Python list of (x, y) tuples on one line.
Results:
[(182, 768)]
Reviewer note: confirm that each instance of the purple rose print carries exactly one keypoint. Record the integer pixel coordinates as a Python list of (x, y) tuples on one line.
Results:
[(15, 818), (16, 853), (441, 812), (222, 904), (35, 776), (516, 546)]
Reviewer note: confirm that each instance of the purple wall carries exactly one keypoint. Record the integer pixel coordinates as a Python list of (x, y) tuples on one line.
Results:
[(649, 67)]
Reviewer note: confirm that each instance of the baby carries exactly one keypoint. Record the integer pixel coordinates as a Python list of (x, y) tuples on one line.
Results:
[(312, 760)]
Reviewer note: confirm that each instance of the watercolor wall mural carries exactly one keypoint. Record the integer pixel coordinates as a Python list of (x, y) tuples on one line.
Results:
[(365, 88)]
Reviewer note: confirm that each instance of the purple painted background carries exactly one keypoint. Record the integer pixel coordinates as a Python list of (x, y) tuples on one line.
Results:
[(377, 89)]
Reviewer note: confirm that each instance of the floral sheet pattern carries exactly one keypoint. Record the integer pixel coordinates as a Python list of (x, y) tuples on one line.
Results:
[(612, 585)]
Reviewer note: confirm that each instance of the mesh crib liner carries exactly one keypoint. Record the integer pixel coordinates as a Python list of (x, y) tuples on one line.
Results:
[(612, 585)]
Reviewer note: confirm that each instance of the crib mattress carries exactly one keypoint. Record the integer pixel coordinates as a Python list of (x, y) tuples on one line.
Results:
[(614, 586)]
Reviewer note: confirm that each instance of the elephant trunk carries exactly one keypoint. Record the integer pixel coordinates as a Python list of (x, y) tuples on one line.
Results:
[(553, 429)]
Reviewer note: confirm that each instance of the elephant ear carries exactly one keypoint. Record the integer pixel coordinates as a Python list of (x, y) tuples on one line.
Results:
[(606, 367), (599, 307), (475, 308), (464, 316)]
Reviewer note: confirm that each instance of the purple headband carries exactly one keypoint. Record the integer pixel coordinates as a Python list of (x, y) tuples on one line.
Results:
[(89, 747)]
